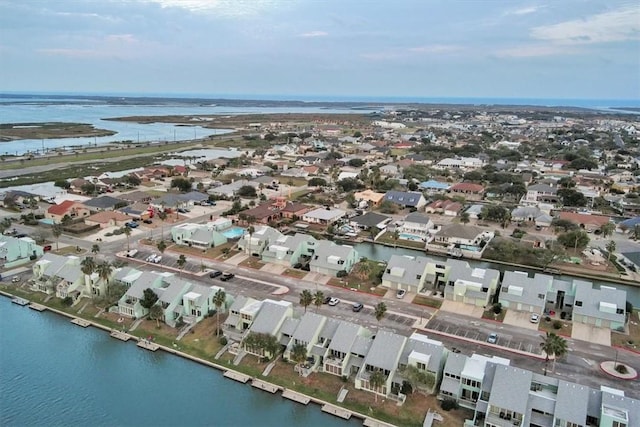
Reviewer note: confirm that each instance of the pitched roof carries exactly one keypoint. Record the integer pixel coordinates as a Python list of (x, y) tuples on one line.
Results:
[(385, 350), (405, 198), (459, 230), (63, 207), (370, 219), (106, 216), (467, 187), (418, 218), (103, 202)]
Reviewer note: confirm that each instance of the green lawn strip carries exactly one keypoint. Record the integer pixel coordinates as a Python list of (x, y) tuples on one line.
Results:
[(429, 302)]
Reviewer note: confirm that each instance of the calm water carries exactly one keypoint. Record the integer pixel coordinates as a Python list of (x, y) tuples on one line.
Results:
[(53, 373)]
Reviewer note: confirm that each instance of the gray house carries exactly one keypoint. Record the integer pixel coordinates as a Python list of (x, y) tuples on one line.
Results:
[(330, 258), (384, 356), (405, 272), (289, 250), (523, 293), (256, 242)]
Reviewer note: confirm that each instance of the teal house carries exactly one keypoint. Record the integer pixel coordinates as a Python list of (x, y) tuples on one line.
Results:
[(17, 251)]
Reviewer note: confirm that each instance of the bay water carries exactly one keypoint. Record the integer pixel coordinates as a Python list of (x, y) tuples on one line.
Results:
[(53, 373)]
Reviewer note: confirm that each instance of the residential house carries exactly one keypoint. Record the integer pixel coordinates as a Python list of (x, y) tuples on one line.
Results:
[(15, 251), (69, 208), (293, 210), (384, 356), (462, 163), (307, 333), (264, 213), (198, 303), (474, 211), (434, 187), (370, 221), (424, 354), (136, 197), (268, 321), (330, 258), (323, 216), (104, 203), (417, 224), (129, 304), (406, 199), (445, 207), (540, 193), (290, 250), (138, 210), (107, 219), (468, 190), (523, 293), (604, 307), (588, 222), (201, 236), (230, 190), (464, 237), (46, 269), (347, 349), (406, 272), (242, 312), (372, 198), (257, 242), (531, 214), (475, 286)]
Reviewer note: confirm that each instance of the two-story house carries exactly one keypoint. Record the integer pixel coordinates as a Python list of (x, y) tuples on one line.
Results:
[(330, 258)]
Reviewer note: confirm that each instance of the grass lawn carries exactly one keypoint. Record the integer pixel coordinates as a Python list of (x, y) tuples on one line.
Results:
[(545, 326), (490, 315), (631, 341), (252, 262), (388, 239), (298, 274), (427, 301)]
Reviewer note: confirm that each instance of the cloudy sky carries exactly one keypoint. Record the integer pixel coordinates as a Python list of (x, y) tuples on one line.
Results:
[(385, 48)]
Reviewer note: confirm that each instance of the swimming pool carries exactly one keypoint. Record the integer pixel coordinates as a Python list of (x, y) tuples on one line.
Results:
[(407, 236), (233, 232), (47, 221)]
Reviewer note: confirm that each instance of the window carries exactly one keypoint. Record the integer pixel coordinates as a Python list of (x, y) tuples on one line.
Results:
[(578, 303), (485, 289), (419, 276), (440, 266), (421, 366), (619, 311), (618, 424), (540, 296)]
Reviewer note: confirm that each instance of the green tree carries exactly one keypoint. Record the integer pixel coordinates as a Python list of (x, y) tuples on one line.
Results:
[(553, 346), (299, 355), (418, 378), (578, 239), (163, 216), (317, 182), (607, 229), (364, 269), (161, 246), (56, 230), (377, 379), (182, 260), (464, 218), (95, 248), (380, 310), (388, 207), (247, 191), (104, 270), (318, 299), (182, 184), (156, 313), (127, 233), (611, 248), (88, 266), (219, 299), (306, 298), (149, 298)]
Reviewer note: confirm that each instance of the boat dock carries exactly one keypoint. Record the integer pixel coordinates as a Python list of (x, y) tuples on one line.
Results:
[(20, 301), (37, 307), (80, 322), (370, 422), (271, 388), (237, 376), (122, 336), (148, 345), (295, 396), (338, 412)]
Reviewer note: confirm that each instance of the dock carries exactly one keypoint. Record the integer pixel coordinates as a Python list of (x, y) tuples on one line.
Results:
[(148, 345), (80, 322), (37, 307), (338, 412), (271, 388), (237, 376), (122, 336), (20, 301), (296, 397), (370, 422)]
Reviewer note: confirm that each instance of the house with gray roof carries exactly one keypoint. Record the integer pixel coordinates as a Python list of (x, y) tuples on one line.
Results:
[(49, 270), (129, 303), (230, 190), (465, 237), (370, 220), (241, 314), (531, 214), (105, 203), (417, 224), (256, 242), (540, 193), (424, 354), (201, 236), (330, 258), (307, 333), (347, 350), (405, 272), (475, 286), (290, 250), (324, 216), (523, 293), (406, 199), (506, 401), (268, 321), (170, 294), (384, 356), (604, 307)]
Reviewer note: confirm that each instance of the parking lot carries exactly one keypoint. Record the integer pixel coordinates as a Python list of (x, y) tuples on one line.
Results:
[(479, 331), (344, 311)]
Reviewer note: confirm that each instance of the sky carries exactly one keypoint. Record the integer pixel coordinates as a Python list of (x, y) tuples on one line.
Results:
[(569, 49)]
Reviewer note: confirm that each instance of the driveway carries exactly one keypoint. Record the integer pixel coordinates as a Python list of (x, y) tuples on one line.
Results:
[(591, 334), (273, 268), (462, 308), (237, 258), (520, 319), (317, 278)]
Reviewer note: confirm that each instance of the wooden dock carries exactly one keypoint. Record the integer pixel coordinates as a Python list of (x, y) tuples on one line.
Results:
[(80, 322), (122, 336), (37, 307), (271, 388), (237, 376), (296, 397), (20, 301), (370, 422), (338, 412), (148, 345)]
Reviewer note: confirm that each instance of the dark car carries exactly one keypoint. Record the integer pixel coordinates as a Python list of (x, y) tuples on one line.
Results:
[(357, 306), (226, 276), (326, 300), (46, 248), (148, 221), (215, 273)]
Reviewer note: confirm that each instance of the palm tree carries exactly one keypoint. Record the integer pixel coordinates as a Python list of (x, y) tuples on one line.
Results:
[(299, 355), (162, 246), (127, 232), (464, 218), (364, 269), (219, 298), (156, 313), (395, 235), (376, 380), (607, 229), (163, 216), (318, 299), (88, 266), (104, 271), (547, 347), (379, 310), (182, 260), (560, 349), (95, 248), (611, 248), (57, 231), (306, 298), (251, 229), (553, 345)]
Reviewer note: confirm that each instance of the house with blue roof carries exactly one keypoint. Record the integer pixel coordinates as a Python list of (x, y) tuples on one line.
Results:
[(434, 187)]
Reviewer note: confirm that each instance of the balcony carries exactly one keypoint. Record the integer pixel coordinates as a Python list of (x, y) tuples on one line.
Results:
[(502, 420)]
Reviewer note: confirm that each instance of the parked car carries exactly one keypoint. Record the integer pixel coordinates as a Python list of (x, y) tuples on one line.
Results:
[(46, 248), (535, 318), (215, 273), (15, 279), (334, 301), (492, 338), (357, 306), (401, 293), (148, 221), (326, 300), (132, 253), (131, 224), (157, 259), (226, 276)]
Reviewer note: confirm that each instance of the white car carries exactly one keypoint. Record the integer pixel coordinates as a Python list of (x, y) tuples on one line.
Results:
[(535, 318), (334, 301), (401, 293), (157, 259)]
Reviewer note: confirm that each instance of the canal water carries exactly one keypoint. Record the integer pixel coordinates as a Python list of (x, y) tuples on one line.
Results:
[(53, 373), (383, 253)]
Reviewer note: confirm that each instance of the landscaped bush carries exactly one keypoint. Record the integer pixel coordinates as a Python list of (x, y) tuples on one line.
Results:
[(448, 404), (67, 301), (557, 324), (223, 340), (497, 308), (341, 273), (621, 369)]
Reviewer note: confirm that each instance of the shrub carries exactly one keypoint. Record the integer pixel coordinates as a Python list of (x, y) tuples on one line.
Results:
[(67, 301), (223, 340), (341, 273), (621, 369), (497, 308), (563, 315), (557, 324), (547, 319), (448, 404)]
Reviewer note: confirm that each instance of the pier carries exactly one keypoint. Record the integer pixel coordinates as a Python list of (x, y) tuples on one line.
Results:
[(80, 322), (262, 385), (37, 307), (237, 376), (122, 336), (295, 396), (148, 345), (20, 301), (337, 411)]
